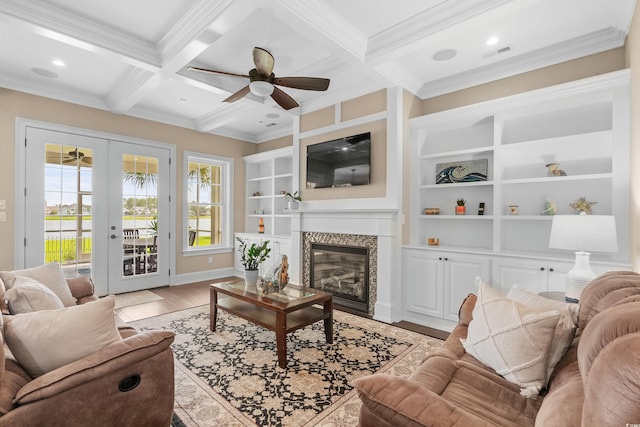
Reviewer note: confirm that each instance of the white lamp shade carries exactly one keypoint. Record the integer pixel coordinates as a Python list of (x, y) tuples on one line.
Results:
[(261, 88), (589, 233)]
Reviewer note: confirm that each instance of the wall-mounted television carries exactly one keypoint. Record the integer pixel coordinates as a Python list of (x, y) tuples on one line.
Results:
[(341, 162)]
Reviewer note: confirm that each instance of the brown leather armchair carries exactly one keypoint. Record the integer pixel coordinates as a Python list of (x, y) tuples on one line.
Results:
[(127, 383)]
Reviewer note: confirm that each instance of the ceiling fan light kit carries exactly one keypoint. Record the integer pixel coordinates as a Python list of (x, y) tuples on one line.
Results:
[(262, 81), (260, 88)]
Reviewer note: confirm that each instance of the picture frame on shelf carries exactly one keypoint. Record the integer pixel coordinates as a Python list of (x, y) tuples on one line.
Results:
[(462, 171)]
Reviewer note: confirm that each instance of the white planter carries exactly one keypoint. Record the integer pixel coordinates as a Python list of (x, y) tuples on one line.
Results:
[(292, 205), (250, 280)]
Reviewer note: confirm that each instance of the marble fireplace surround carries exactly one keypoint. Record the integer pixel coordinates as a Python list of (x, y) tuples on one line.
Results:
[(350, 240), (383, 224)]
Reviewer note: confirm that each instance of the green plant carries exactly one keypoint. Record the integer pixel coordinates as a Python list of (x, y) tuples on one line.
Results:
[(293, 197), (461, 202), (253, 255), (153, 225)]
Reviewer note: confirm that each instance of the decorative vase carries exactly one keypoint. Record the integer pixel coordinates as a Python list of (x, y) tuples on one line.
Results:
[(250, 280), (461, 210)]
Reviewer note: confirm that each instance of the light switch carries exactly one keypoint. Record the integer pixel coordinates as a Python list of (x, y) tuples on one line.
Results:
[(3, 204), (3, 216)]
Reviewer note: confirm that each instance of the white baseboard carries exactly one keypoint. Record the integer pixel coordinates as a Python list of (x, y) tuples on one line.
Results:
[(201, 276)]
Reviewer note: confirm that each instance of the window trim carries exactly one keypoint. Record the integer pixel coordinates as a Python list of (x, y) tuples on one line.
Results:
[(227, 165)]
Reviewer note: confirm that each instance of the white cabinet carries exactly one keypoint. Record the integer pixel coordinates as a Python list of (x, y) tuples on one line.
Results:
[(437, 282), (268, 176), (532, 275)]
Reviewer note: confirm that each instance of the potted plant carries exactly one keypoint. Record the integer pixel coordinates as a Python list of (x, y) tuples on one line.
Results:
[(294, 199), (251, 257), (460, 207)]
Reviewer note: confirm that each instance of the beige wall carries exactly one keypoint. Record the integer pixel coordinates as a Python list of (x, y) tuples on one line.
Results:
[(411, 108), (274, 144), (633, 62), (592, 65), (17, 104)]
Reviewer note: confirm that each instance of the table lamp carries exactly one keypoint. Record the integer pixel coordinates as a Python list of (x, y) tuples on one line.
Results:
[(582, 234)]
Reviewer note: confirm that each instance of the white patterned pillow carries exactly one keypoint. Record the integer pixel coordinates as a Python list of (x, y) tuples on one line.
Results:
[(49, 275), (512, 339)]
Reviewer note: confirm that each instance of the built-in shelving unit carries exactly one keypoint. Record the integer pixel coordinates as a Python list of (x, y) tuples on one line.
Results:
[(583, 126)]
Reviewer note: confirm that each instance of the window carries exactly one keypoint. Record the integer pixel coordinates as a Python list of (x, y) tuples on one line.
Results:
[(207, 213)]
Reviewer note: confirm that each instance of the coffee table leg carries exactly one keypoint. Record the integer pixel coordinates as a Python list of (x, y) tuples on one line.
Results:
[(328, 321), (281, 338), (213, 303)]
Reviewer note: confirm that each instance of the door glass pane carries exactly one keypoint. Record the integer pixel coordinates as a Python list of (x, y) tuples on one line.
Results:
[(139, 215), (67, 204)]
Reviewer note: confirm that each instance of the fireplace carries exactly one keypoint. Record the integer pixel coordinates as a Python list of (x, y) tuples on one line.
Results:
[(343, 271), (345, 265)]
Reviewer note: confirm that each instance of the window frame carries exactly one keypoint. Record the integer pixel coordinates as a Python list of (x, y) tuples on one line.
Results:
[(226, 165)]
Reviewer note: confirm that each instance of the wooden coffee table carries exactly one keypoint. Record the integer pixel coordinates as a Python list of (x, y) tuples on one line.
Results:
[(281, 312)]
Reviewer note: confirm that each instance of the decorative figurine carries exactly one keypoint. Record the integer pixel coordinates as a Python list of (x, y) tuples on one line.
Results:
[(554, 170), (582, 206), (549, 207)]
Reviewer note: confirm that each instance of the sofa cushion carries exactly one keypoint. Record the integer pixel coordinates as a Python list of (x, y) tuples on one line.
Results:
[(27, 295), (513, 339), (565, 328), (49, 275), (45, 340)]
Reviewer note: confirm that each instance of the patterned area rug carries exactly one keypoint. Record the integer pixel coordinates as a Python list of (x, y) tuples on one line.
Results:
[(232, 378)]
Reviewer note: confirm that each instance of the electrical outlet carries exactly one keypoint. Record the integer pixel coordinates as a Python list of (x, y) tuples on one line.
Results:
[(210, 260)]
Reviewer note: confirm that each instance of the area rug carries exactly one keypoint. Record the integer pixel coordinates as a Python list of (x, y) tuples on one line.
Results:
[(232, 378), (136, 298)]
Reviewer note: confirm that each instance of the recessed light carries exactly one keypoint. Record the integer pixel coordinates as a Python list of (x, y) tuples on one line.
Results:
[(44, 73), (59, 63), (492, 40), (183, 99), (444, 54), (272, 115)]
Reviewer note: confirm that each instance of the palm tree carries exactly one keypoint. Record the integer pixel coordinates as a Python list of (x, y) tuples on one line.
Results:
[(203, 177)]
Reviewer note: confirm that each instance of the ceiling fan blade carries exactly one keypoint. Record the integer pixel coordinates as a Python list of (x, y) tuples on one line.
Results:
[(239, 94), (283, 100), (306, 83), (206, 70), (263, 60)]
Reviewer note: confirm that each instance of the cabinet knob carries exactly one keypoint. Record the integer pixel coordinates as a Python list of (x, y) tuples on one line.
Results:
[(440, 258), (541, 268), (551, 269), (446, 259)]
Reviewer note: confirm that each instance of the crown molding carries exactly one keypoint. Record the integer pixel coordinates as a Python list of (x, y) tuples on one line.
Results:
[(274, 134), (405, 36), (78, 31), (127, 92), (219, 117), (578, 47)]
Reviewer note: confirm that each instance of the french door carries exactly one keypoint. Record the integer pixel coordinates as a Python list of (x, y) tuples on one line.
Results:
[(97, 206)]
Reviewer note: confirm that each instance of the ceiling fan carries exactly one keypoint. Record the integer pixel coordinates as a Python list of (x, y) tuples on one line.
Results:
[(262, 81), (71, 157)]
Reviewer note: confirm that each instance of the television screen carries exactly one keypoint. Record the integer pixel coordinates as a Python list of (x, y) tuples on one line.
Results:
[(341, 162)]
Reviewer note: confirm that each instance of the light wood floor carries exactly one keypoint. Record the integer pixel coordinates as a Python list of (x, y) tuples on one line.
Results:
[(176, 298)]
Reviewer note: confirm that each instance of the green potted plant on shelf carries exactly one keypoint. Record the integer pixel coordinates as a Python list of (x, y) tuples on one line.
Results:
[(294, 199), (460, 207), (251, 258)]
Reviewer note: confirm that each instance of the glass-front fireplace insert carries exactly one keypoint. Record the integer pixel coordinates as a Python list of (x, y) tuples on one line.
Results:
[(343, 271)]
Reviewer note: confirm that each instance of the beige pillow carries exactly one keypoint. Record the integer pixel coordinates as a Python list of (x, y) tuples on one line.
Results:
[(49, 275), (29, 295), (45, 340), (512, 339), (565, 329)]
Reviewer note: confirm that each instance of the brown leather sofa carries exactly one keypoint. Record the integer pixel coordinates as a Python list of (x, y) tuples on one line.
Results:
[(129, 383), (596, 383)]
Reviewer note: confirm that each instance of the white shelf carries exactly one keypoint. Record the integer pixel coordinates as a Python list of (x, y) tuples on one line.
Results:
[(458, 153), (550, 179), (466, 217), (456, 185)]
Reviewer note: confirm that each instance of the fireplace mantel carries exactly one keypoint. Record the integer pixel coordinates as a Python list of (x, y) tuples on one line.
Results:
[(384, 223)]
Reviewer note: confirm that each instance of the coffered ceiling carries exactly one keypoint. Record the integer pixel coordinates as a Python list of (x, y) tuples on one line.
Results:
[(131, 56)]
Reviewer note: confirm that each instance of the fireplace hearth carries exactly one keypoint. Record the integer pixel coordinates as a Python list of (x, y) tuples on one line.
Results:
[(345, 265)]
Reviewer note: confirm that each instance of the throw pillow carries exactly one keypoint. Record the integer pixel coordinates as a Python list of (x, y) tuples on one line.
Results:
[(565, 329), (512, 339), (45, 340), (29, 295), (49, 275)]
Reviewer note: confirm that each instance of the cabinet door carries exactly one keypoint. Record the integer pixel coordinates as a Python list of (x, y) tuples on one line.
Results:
[(527, 274), (460, 272), (557, 276), (278, 247), (423, 283)]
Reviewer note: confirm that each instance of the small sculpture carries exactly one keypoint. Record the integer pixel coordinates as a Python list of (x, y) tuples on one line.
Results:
[(582, 206), (554, 170), (550, 207)]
